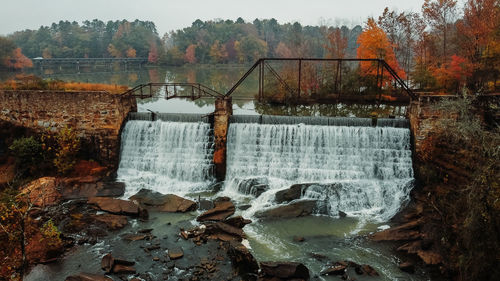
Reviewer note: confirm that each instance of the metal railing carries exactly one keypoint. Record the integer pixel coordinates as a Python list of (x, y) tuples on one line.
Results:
[(174, 90)]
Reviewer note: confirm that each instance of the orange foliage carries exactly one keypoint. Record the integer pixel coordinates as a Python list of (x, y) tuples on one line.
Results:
[(374, 44), (114, 52), (283, 51), (17, 60), (453, 73), (131, 53), (337, 44), (77, 86), (190, 56), (153, 53)]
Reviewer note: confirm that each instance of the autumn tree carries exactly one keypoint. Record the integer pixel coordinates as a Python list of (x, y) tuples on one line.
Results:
[(17, 60), (336, 44), (282, 51), (439, 14), (153, 52), (218, 52), (374, 44), (113, 51), (6, 49), (131, 52), (190, 55)]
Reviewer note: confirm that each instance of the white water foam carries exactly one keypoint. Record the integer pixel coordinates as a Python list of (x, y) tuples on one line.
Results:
[(362, 171), (168, 157)]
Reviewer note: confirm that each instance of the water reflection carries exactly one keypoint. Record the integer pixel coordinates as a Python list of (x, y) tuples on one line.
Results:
[(220, 78)]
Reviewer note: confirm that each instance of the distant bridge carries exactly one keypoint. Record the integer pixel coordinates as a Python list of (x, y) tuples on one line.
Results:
[(192, 91), (44, 62)]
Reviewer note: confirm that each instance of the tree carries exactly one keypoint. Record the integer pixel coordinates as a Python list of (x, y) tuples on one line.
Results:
[(336, 45), (282, 51), (6, 49), (17, 60), (374, 44), (131, 53), (190, 55), (218, 52), (113, 51), (452, 76), (439, 14), (153, 52)]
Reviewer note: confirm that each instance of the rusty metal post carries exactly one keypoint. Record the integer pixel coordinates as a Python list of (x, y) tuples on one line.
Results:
[(223, 110), (199, 90), (150, 91), (260, 81), (192, 92), (300, 76)]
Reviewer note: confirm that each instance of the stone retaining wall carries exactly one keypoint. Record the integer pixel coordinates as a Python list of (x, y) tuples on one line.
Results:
[(96, 116)]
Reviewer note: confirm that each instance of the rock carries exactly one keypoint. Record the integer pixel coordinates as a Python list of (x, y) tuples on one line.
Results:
[(163, 202), (113, 222), (253, 186), (368, 270), (242, 260), (222, 210), (407, 267), (318, 257), (224, 232), (290, 194), (39, 251), (116, 206), (285, 270), (137, 237), (336, 269), (216, 187), (204, 204), (342, 214), (175, 254), (238, 221), (86, 187), (107, 263), (430, 257), (405, 232), (88, 277), (121, 269), (294, 210), (244, 207), (42, 192), (299, 239)]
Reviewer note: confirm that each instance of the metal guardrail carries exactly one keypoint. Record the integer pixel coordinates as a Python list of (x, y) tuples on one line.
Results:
[(174, 90)]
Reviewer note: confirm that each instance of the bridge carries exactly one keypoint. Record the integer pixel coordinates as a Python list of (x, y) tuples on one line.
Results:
[(45, 62)]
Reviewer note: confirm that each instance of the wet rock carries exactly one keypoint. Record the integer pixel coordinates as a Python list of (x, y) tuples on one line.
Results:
[(244, 207), (293, 193), (336, 269), (122, 269), (112, 222), (407, 267), (405, 232), (224, 232), (253, 186), (222, 210), (204, 204), (342, 214), (175, 254), (216, 187), (318, 257), (42, 192), (88, 277), (86, 187), (163, 202), (294, 210), (242, 260), (430, 257), (116, 206), (137, 237), (285, 270), (366, 269), (107, 263), (298, 239), (39, 251), (238, 221)]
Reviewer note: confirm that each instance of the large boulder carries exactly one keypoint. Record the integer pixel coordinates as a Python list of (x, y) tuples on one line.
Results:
[(116, 206), (285, 270), (405, 232), (42, 192), (111, 221), (86, 187), (163, 202), (294, 210), (242, 260), (222, 210)]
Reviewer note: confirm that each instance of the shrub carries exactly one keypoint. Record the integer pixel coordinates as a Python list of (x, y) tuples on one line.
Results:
[(51, 234), (68, 146), (28, 153)]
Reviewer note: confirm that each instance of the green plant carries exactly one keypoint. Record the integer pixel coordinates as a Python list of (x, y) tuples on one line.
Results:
[(51, 234), (68, 146), (28, 152)]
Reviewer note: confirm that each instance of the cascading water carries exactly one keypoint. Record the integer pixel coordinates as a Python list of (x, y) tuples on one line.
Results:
[(168, 157), (362, 171)]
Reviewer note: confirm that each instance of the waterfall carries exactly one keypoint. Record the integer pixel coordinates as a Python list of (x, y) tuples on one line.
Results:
[(362, 171), (168, 157)]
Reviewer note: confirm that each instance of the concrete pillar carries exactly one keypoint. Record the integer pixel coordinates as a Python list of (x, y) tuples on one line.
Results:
[(223, 110)]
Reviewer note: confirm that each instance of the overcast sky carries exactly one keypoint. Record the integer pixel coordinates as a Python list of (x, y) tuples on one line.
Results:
[(174, 14)]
